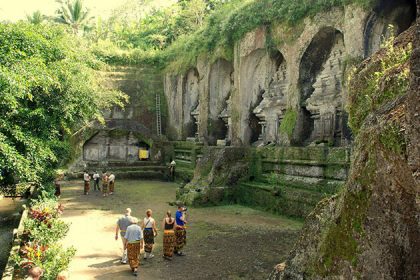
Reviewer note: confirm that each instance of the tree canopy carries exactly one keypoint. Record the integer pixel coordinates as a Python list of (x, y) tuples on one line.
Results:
[(48, 88)]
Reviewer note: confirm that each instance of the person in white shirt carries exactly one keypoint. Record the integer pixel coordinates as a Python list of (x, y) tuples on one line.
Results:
[(122, 224), (86, 179), (172, 170), (149, 233), (134, 244), (111, 180), (96, 178)]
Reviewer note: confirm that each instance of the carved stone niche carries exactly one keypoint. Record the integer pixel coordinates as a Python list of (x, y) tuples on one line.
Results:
[(273, 106), (325, 103), (225, 116), (195, 114), (190, 103)]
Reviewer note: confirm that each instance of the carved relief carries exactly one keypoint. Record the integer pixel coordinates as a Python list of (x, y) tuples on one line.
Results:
[(325, 103), (273, 105)]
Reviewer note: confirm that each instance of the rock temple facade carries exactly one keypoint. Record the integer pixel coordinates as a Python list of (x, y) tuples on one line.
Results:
[(243, 102)]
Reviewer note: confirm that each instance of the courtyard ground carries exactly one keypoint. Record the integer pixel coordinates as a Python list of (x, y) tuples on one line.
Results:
[(224, 242)]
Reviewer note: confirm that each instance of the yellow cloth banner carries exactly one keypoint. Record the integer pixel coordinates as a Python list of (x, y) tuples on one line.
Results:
[(143, 154)]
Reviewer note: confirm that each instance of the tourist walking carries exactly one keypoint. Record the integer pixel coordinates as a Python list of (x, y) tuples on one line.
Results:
[(86, 179), (111, 181), (134, 244), (149, 233), (121, 228), (180, 230), (168, 236), (172, 170), (96, 178), (105, 184)]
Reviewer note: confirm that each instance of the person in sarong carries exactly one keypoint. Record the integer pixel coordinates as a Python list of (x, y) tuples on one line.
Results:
[(149, 232), (105, 184), (111, 181), (168, 236), (121, 228), (86, 179), (96, 179), (134, 244), (180, 231)]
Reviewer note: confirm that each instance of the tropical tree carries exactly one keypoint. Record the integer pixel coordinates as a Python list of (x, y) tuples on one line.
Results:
[(73, 13), (49, 88), (36, 17)]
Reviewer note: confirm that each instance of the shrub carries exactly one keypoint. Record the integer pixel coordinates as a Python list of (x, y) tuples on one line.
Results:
[(51, 259), (47, 231), (40, 242)]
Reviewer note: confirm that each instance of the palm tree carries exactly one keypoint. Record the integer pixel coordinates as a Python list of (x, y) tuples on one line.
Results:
[(36, 17), (73, 14)]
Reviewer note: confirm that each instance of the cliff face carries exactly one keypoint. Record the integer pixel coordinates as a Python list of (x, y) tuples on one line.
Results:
[(371, 229), (284, 84)]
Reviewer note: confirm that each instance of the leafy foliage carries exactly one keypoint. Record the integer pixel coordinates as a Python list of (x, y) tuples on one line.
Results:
[(48, 88), (73, 14), (188, 29), (373, 85), (288, 123), (42, 231), (36, 17)]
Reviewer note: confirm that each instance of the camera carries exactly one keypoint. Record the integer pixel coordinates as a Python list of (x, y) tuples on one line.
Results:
[(184, 209)]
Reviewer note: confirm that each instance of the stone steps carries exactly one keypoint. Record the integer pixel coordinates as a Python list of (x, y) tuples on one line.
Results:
[(111, 164), (320, 185), (138, 168), (290, 193), (128, 170), (288, 201)]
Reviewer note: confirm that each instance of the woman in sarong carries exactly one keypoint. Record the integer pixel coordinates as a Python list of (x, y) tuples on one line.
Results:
[(149, 232), (105, 184), (134, 244), (86, 179), (168, 236)]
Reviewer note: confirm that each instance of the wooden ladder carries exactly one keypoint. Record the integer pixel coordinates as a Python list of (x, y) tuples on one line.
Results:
[(158, 116)]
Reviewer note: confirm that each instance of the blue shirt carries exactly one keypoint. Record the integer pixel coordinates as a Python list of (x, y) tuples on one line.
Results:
[(178, 216), (133, 233)]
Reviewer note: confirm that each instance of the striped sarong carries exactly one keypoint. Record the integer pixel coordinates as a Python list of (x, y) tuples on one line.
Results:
[(168, 243), (133, 253), (149, 240), (87, 187), (105, 188), (180, 238)]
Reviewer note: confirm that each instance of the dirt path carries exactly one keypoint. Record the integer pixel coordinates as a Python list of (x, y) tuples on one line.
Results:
[(228, 242)]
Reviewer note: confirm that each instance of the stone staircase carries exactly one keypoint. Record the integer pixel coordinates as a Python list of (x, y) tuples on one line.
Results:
[(292, 181), (128, 170)]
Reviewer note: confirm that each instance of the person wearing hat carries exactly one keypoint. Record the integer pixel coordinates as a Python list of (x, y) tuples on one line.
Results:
[(134, 244), (121, 228)]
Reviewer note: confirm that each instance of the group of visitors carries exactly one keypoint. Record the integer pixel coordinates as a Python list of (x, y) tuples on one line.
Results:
[(137, 236), (108, 182)]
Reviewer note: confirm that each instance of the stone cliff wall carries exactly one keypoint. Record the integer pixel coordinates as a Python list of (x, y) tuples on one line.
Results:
[(125, 131), (370, 230), (244, 101)]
